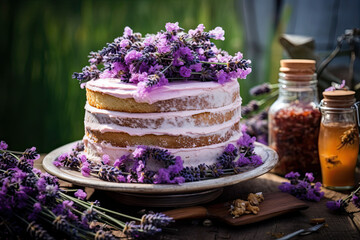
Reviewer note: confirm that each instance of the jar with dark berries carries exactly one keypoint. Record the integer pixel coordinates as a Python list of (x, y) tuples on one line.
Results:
[(294, 118)]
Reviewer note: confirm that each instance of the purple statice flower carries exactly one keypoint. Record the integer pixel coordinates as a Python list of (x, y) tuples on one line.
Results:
[(222, 76), (85, 169), (336, 86), (238, 56), (356, 201), (260, 89), (36, 210), (185, 72), (82, 158), (286, 187), (139, 151), (256, 160), (172, 27), (67, 204), (80, 194), (334, 205), (163, 45), (242, 160), (149, 40), (41, 184), (196, 67), (199, 29), (246, 141), (57, 163), (63, 157), (230, 148), (125, 43), (106, 159), (310, 177), (120, 162), (121, 178), (132, 56), (128, 31), (138, 77), (302, 189), (292, 175), (3, 145), (170, 174), (217, 33)]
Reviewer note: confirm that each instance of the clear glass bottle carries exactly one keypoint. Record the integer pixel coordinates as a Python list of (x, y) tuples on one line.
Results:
[(338, 139), (294, 118)]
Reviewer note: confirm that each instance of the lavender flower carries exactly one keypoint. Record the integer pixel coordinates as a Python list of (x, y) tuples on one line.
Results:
[(169, 55), (80, 194), (356, 200), (260, 89), (336, 86), (29, 195), (3, 145), (302, 189), (334, 205), (106, 159)]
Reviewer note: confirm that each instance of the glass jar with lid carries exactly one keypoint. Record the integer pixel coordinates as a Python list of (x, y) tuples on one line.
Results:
[(338, 139), (294, 118)]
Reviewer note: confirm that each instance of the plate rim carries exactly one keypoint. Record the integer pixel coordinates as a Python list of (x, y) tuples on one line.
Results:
[(143, 188)]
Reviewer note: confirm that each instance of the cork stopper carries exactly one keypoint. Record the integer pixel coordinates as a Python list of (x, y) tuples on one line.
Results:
[(339, 98), (297, 69)]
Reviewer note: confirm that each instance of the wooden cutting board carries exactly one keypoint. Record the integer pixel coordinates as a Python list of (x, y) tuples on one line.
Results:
[(275, 204)]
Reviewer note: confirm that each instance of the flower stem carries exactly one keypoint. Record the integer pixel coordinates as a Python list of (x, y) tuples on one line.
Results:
[(217, 63)]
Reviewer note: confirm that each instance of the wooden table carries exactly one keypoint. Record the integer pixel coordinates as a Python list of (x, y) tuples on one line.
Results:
[(338, 226)]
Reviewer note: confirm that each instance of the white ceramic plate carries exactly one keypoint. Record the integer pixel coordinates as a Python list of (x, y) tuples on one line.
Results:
[(268, 155)]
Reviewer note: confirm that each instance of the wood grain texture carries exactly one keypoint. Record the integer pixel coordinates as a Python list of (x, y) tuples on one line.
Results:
[(275, 204), (338, 226)]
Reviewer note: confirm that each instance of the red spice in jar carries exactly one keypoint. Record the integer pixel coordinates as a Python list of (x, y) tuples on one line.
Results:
[(295, 132)]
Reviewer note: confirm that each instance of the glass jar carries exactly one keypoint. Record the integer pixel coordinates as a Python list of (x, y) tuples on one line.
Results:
[(294, 118), (338, 139)]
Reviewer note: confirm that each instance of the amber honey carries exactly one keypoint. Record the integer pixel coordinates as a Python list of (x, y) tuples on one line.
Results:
[(338, 151)]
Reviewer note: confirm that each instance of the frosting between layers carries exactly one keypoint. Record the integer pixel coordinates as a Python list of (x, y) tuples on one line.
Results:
[(179, 89), (172, 123), (190, 156)]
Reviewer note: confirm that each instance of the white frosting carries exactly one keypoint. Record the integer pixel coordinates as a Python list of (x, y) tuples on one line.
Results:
[(190, 156), (172, 123), (220, 93)]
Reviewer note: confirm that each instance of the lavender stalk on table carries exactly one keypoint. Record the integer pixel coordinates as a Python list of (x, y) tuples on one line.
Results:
[(33, 205)]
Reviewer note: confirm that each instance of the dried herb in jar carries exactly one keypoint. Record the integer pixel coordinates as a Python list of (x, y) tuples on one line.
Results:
[(295, 131)]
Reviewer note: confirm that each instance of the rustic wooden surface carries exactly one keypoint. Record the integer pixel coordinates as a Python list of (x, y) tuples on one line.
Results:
[(338, 226)]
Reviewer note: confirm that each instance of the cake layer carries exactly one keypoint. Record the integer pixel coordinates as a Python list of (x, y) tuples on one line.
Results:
[(190, 156), (123, 139), (101, 118), (111, 94)]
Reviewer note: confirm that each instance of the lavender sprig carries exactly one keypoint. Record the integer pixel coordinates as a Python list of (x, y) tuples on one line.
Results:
[(169, 55), (302, 188), (341, 204), (31, 200)]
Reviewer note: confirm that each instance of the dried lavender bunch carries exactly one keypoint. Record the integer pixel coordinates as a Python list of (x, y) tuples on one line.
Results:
[(32, 201), (302, 188), (341, 204), (169, 55)]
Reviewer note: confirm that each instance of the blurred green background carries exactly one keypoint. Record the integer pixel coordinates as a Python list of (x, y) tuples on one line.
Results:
[(44, 42)]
